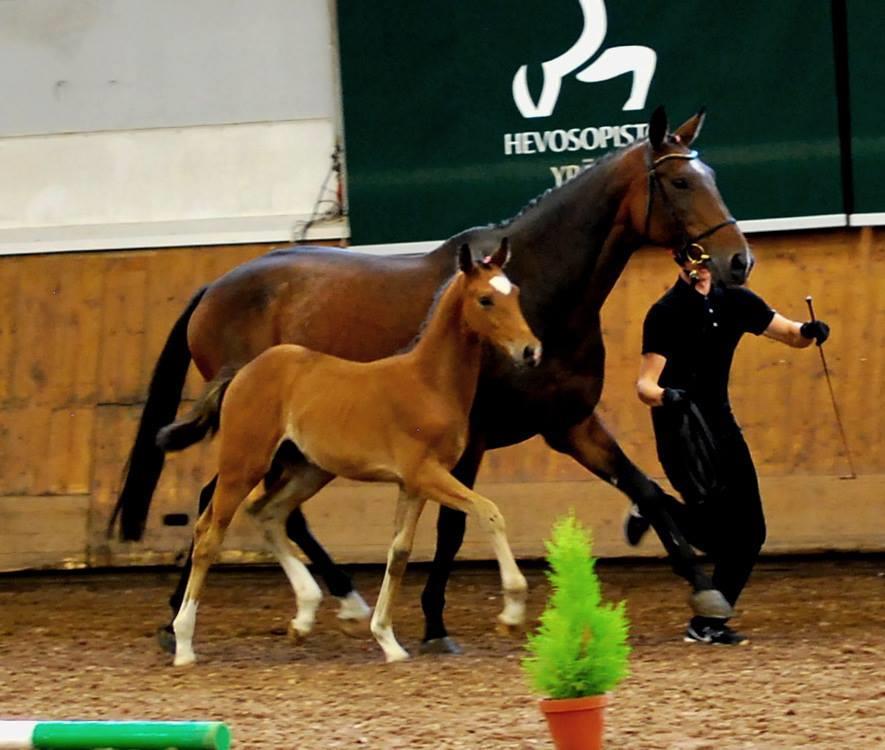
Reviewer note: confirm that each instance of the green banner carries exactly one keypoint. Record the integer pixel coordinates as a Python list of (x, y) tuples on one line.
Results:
[(866, 33), (458, 112)]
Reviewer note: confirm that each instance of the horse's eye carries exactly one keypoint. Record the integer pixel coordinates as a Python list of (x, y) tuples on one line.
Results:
[(680, 183), (486, 301)]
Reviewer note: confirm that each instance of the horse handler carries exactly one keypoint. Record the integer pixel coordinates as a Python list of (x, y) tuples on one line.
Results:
[(689, 338)]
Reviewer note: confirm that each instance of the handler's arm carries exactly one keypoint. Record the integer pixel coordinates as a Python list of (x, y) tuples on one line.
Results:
[(787, 331), (650, 369)]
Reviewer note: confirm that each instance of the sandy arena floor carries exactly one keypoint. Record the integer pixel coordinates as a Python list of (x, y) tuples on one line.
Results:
[(83, 646)]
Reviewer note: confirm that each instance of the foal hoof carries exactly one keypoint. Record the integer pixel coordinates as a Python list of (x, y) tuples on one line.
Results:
[(297, 636), (710, 603), (355, 628), (394, 656), (509, 630), (443, 645), (166, 638), (184, 661)]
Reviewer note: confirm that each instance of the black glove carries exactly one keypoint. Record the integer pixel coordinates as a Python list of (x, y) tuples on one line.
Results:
[(815, 329), (675, 398)]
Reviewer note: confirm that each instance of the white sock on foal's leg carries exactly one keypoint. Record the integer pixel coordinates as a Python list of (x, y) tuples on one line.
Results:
[(307, 593), (183, 625), (408, 510), (383, 633)]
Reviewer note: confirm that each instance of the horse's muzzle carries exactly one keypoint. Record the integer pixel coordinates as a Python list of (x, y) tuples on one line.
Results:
[(740, 267), (531, 355)]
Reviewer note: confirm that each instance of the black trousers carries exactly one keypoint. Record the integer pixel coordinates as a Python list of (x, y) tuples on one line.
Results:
[(729, 528)]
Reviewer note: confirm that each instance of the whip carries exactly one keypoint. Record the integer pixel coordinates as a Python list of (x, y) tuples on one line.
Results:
[(823, 360)]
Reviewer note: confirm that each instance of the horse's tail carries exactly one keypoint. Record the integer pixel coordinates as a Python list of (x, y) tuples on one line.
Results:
[(142, 470), (200, 420)]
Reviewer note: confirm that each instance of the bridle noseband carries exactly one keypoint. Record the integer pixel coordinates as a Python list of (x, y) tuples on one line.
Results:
[(685, 252)]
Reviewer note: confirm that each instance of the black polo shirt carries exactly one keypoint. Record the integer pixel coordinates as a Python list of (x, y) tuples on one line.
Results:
[(698, 334)]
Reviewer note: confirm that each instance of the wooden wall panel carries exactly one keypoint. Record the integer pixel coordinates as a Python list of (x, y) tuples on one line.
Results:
[(123, 356), (69, 453), (80, 333), (24, 432), (44, 532), (9, 317)]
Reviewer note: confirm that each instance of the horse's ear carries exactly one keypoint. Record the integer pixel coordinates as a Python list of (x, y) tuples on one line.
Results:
[(657, 127), (465, 258), (691, 128), (502, 254)]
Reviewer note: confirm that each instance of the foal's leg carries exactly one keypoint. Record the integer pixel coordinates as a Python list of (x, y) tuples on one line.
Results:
[(353, 610), (298, 484), (166, 634), (339, 583), (352, 607), (435, 483), (408, 511), (208, 535), (449, 537), (592, 445)]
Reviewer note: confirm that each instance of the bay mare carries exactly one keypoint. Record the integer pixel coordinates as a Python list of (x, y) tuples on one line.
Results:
[(407, 418), (568, 248)]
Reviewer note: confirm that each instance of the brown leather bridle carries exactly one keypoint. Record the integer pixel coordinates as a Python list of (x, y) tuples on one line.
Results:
[(690, 251)]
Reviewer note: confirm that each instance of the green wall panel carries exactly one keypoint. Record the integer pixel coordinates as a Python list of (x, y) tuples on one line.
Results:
[(429, 109), (866, 35)]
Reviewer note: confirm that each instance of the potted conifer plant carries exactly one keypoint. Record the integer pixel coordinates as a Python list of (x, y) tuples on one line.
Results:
[(579, 651)]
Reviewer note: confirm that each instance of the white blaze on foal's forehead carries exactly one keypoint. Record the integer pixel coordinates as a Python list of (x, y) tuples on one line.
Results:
[(501, 283)]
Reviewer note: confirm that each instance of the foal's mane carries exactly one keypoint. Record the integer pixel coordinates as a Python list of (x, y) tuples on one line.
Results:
[(430, 312)]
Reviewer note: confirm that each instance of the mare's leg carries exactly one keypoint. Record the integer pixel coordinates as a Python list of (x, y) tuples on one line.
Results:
[(449, 536), (435, 483), (208, 535), (408, 511), (591, 444)]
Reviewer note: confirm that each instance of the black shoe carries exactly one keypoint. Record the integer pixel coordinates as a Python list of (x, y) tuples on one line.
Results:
[(714, 634), (635, 526)]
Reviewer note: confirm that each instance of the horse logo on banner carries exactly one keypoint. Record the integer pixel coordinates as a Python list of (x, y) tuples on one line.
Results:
[(613, 62)]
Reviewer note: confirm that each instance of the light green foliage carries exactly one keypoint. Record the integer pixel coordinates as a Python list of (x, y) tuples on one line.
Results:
[(580, 647)]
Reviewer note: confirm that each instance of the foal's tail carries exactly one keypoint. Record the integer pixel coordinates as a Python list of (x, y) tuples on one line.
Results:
[(201, 420), (145, 462)]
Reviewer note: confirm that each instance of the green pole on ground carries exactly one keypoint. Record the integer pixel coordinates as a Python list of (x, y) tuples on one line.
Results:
[(131, 735)]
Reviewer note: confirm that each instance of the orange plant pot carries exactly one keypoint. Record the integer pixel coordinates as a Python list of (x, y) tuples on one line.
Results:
[(576, 723)]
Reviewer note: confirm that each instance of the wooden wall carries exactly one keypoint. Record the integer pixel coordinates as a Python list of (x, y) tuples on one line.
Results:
[(79, 335)]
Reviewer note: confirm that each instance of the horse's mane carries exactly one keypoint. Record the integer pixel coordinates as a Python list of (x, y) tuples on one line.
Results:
[(557, 188)]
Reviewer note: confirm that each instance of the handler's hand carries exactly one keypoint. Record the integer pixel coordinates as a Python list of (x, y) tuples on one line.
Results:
[(815, 329), (674, 398)]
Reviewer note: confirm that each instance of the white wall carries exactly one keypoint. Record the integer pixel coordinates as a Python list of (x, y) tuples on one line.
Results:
[(130, 123)]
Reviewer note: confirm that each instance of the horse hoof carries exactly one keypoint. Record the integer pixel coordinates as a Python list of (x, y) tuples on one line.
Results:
[(166, 639), (184, 661), (443, 645), (710, 603), (509, 630), (355, 628)]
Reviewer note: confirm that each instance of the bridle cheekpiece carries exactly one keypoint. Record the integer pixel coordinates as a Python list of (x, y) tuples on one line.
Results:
[(690, 251)]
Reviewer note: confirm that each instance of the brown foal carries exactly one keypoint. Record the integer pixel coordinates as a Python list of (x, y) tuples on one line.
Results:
[(401, 419)]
